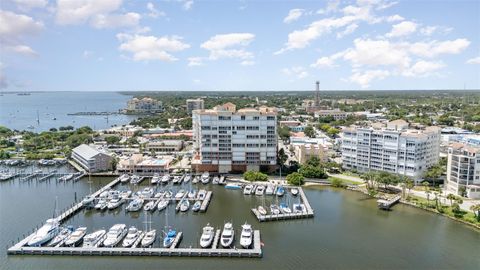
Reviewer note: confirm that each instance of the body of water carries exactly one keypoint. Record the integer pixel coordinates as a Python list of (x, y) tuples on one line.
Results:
[(20, 111), (347, 232)]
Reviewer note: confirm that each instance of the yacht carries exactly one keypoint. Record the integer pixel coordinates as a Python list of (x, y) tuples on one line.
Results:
[(101, 204), (260, 190), (294, 191), (168, 194), (162, 204), (196, 179), (94, 239), (246, 236), (205, 178), (196, 206), (147, 192), (280, 191), (76, 237), (124, 178), (228, 234), (274, 210), (135, 179), (151, 205), (180, 194), (187, 178), (261, 210), (248, 189), (184, 205), (208, 234), (114, 203), (201, 194), (115, 235), (132, 236), (48, 231), (165, 178), (125, 194), (299, 208), (155, 179), (177, 180), (192, 194), (64, 233), (149, 238), (285, 209), (223, 180), (135, 205), (215, 180), (169, 238), (270, 189), (159, 194), (88, 201)]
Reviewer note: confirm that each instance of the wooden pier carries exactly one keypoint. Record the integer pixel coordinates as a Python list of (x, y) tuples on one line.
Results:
[(386, 204), (308, 213), (206, 201)]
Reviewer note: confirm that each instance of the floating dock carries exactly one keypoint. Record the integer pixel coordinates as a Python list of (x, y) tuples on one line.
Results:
[(308, 213), (206, 201), (386, 204)]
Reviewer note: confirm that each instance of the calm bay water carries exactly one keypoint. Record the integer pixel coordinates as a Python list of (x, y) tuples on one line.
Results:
[(347, 232), (20, 112)]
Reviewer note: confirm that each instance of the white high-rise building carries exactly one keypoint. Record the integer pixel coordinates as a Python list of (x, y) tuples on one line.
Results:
[(392, 148), (227, 140), (463, 169)]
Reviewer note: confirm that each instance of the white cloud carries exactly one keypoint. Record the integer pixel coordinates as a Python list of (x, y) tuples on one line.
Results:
[(80, 11), (14, 27), (146, 48), (332, 5), (323, 62), (395, 18), (402, 29), (187, 4), (435, 48), (423, 68), (348, 30), (154, 13), (369, 52), (195, 61), (475, 60), (102, 21), (293, 15), (428, 30), (30, 4), (247, 63), (364, 78), (297, 71), (87, 54), (229, 46)]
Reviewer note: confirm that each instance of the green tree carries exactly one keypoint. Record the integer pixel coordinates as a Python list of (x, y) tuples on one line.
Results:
[(309, 171), (309, 131), (336, 182), (284, 133), (426, 185), (476, 211), (281, 157), (451, 198), (112, 139), (253, 176), (295, 179)]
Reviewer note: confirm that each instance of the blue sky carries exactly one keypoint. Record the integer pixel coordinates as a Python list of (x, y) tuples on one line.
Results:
[(115, 45)]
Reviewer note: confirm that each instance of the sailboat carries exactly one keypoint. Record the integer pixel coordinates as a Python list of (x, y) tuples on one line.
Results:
[(170, 235), (150, 235)]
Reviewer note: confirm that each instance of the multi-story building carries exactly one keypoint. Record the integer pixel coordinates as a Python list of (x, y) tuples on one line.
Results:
[(392, 148), (227, 140), (143, 165), (164, 146), (144, 105), (194, 104), (336, 114), (463, 170), (305, 152), (91, 159)]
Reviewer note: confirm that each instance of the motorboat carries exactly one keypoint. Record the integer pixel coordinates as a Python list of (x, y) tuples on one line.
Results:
[(184, 205), (223, 180), (201, 194), (149, 238), (280, 191), (248, 189), (88, 201), (285, 209), (180, 194), (165, 178), (270, 189), (274, 209), (192, 194), (208, 233), (94, 239), (76, 237), (125, 194), (246, 236), (205, 178), (147, 192), (162, 204), (48, 231), (169, 238), (132, 236), (124, 178), (196, 206), (113, 194), (61, 236), (168, 194), (177, 180), (233, 186), (196, 179), (260, 190), (228, 234), (116, 233), (261, 210), (66, 177), (159, 194), (135, 205), (215, 180), (294, 191), (299, 208), (101, 204), (187, 178), (135, 179), (114, 203), (104, 194), (155, 179), (151, 205)]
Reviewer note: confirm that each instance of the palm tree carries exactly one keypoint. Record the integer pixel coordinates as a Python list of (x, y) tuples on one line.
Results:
[(476, 210), (409, 184), (451, 197)]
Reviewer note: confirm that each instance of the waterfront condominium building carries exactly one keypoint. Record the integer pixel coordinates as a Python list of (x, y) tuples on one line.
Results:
[(227, 140), (463, 170), (144, 105), (194, 104), (91, 159), (392, 148)]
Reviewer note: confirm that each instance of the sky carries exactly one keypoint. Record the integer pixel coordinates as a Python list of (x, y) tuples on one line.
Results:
[(191, 45)]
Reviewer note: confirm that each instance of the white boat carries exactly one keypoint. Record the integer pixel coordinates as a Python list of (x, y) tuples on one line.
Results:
[(61, 236), (104, 194), (294, 191), (48, 231), (177, 179), (274, 210), (187, 178), (159, 194), (196, 206), (169, 238), (246, 237), (233, 186), (208, 233), (101, 204), (114, 203), (168, 194), (285, 209), (196, 179), (149, 238), (180, 194), (94, 239), (135, 179), (262, 210), (88, 201), (162, 204), (155, 179), (260, 190), (132, 236), (125, 194), (215, 180), (299, 208), (205, 178), (248, 189), (184, 205), (135, 205), (124, 178), (280, 191), (223, 180), (201, 194), (147, 192), (192, 194), (76, 237), (150, 206), (165, 178), (116, 233), (228, 235), (270, 189)]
